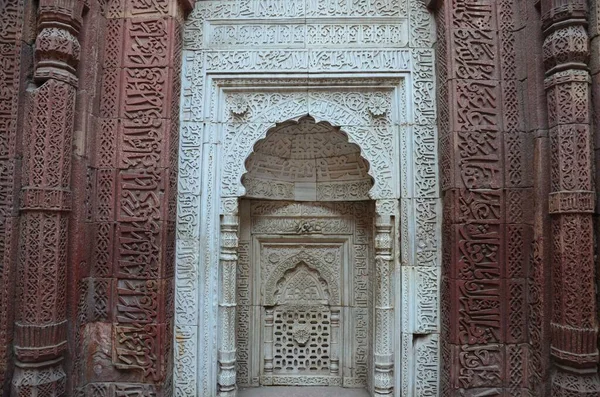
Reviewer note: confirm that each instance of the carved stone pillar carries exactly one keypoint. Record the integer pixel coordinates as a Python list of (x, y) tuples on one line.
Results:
[(268, 346), (335, 342), (41, 319), (228, 270), (384, 310), (574, 328)]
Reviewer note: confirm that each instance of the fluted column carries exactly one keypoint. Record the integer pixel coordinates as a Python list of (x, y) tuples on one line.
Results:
[(41, 319), (574, 328)]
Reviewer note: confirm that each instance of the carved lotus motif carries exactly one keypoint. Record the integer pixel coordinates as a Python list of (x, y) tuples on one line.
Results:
[(239, 105), (378, 106), (301, 334)]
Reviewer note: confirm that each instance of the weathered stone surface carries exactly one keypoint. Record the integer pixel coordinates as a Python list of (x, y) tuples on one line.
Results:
[(122, 241), (302, 391), (325, 62), (41, 321), (574, 324)]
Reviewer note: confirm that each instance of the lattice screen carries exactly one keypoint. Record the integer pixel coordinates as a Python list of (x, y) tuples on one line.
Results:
[(302, 340)]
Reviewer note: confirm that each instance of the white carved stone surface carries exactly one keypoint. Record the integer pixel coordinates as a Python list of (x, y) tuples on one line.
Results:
[(309, 288), (306, 161), (364, 69), (349, 110), (302, 341)]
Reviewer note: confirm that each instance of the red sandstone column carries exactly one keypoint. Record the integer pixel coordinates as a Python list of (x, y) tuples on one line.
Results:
[(574, 327), (41, 321)]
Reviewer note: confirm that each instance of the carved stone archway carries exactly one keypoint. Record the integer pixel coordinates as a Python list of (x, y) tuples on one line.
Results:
[(316, 184), (381, 98), (307, 161), (385, 239), (223, 164)]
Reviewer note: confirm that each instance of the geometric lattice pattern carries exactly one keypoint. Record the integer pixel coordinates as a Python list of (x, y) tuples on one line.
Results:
[(302, 340)]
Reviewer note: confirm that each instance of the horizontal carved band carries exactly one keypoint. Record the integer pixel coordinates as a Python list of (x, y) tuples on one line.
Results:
[(47, 72), (567, 76), (575, 345), (37, 354), (583, 360), (302, 226), (45, 199), (35, 343), (571, 202), (300, 380), (27, 335), (574, 11)]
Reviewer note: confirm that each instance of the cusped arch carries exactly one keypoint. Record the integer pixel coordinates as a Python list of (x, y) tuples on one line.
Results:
[(306, 161), (302, 285), (375, 140), (325, 271)]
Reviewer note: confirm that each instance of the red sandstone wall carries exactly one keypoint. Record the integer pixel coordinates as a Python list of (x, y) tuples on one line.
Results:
[(496, 157), (113, 250), (493, 339), (82, 307), (14, 46), (127, 292), (594, 32), (518, 278)]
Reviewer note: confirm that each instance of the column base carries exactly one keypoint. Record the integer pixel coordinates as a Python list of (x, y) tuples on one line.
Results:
[(383, 381), (570, 384), (38, 381), (230, 393)]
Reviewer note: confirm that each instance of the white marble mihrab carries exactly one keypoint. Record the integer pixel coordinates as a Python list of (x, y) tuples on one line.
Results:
[(366, 68)]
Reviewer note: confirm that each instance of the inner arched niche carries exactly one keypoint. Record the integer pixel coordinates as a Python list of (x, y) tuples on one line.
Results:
[(305, 237), (307, 161)]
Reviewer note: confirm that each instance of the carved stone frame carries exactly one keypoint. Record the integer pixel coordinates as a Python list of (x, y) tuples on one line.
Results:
[(374, 147), (268, 301), (408, 221), (223, 198), (386, 238)]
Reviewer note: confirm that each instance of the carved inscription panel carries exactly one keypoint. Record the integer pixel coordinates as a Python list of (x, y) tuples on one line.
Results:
[(304, 293)]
